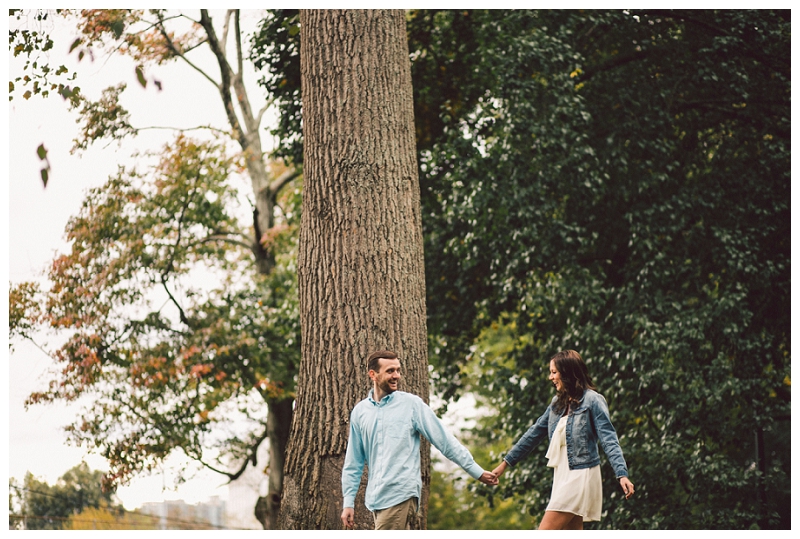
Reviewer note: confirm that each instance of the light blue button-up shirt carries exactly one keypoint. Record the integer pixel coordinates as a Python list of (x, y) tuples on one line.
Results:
[(385, 436)]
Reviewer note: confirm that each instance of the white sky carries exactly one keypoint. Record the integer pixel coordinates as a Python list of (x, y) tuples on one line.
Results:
[(34, 233)]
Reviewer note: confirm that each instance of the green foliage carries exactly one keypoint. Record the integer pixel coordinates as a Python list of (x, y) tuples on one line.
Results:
[(103, 119), (23, 311), (47, 507), (616, 182), (170, 327), (275, 52), (621, 187), (459, 503)]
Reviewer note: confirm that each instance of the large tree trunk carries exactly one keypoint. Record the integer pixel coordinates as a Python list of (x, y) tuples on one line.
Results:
[(360, 261)]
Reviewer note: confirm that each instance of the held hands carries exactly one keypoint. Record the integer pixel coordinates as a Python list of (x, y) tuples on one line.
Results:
[(627, 487), (488, 478), (493, 478)]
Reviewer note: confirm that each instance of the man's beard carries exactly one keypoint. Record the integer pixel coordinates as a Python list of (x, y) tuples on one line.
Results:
[(386, 388)]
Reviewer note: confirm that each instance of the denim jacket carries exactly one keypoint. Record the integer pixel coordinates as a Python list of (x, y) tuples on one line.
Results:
[(587, 424)]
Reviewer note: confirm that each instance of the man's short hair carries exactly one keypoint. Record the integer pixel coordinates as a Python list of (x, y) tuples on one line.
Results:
[(373, 361)]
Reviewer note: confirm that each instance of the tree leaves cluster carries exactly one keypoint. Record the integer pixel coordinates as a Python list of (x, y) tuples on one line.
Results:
[(29, 38), (616, 182), (210, 340), (181, 321), (35, 505)]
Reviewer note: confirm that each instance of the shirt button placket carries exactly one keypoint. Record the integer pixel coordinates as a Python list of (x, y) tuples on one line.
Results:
[(379, 444)]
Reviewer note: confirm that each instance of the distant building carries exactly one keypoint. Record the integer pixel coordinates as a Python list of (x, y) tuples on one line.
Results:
[(237, 513), (179, 515), (245, 491)]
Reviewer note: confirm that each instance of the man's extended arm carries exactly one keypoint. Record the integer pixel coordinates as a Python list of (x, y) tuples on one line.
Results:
[(433, 429)]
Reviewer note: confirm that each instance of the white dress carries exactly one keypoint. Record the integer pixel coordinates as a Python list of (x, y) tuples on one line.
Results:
[(579, 492)]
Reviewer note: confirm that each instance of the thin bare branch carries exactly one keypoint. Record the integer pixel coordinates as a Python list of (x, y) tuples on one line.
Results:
[(252, 458), (282, 180), (225, 84), (221, 238), (179, 53), (264, 109), (184, 129)]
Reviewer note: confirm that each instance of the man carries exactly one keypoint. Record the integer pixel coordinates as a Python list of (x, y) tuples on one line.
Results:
[(384, 433)]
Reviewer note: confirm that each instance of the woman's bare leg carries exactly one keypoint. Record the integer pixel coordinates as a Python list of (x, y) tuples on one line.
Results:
[(576, 523), (559, 520)]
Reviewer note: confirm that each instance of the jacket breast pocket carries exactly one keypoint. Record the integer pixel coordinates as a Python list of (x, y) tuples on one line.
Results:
[(581, 431)]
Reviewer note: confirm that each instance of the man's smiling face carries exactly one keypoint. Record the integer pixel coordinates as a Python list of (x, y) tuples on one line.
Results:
[(387, 379)]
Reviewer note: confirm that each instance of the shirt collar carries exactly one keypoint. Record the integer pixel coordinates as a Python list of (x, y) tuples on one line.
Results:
[(384, 400)]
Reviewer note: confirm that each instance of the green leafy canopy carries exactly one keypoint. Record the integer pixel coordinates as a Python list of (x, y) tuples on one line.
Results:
[(616, 182)]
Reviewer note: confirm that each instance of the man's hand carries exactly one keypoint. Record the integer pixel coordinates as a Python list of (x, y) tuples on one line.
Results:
[(488, 478), (347, 517)]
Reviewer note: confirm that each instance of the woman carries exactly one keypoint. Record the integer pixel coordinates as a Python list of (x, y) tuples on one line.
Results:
[(575, 421)]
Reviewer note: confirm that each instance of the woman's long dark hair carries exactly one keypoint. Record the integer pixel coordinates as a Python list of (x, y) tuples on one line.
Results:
[(574, 377)]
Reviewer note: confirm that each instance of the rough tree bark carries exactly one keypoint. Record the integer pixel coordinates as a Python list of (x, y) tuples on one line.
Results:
[(360, 261)]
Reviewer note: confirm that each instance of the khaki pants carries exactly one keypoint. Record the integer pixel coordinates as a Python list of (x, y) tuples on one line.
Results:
[(397, 517)]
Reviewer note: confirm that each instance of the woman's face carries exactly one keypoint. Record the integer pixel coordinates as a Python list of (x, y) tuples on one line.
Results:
[(555, 377)]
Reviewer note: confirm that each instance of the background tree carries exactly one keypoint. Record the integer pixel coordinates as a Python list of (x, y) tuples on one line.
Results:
[(360, 262), (168, 245), (158, 292), (35, 505), (615, 182)]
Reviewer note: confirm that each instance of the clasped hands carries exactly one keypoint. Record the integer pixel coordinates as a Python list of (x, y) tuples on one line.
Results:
[(493, 478)]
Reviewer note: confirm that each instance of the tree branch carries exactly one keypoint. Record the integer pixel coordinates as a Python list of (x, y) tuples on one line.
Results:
[(223, 238), (252, 458), (239, 57), (282, 180), (183, 129), (264, 109), (178, 52), (225, 72), (169, 267), (613, 63), (746, 49)]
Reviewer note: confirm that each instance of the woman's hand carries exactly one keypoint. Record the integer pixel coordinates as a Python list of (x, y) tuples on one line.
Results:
[(627, 486), (500, 469)]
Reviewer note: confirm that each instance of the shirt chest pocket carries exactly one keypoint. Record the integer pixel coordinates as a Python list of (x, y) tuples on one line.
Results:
[(399, 429)]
